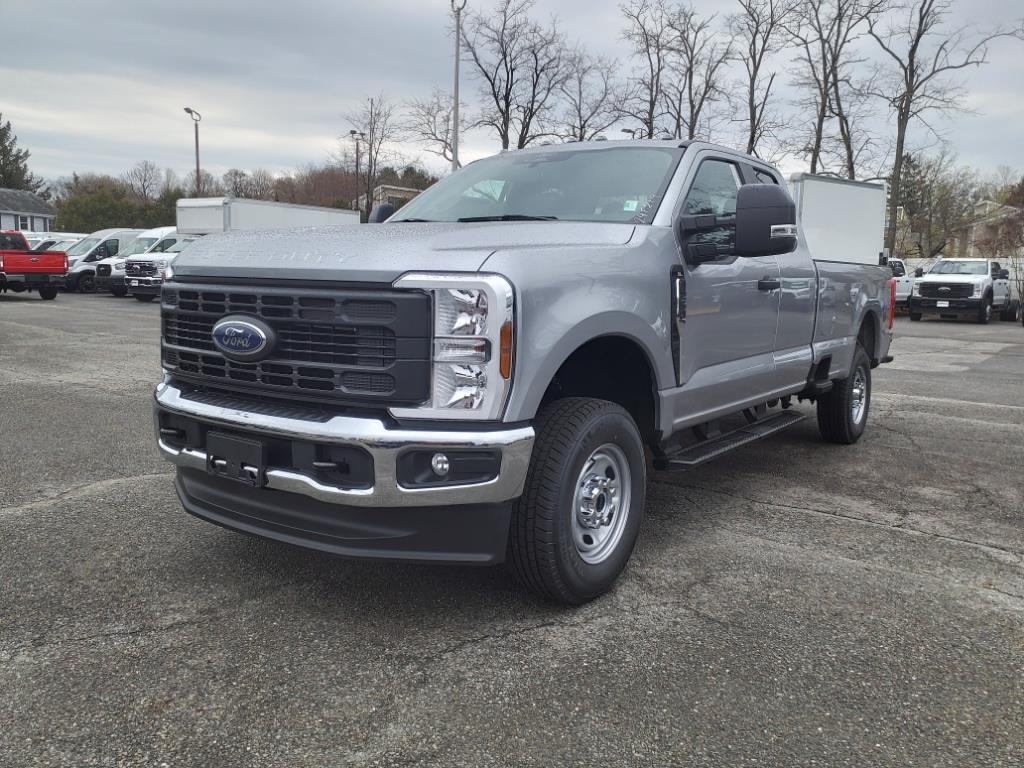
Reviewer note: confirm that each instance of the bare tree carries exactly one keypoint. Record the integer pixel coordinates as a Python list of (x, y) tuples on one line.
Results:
[(209, 185), (521, 67), (924, 59), (701, 55), (648, 34), (143, 180), (593, 98), (758, 32), (429, 122), (375, 120), (825, 31), (261, 184), (236, 183)]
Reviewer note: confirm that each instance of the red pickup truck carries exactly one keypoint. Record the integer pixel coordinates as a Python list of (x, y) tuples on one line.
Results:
[(22, 269)]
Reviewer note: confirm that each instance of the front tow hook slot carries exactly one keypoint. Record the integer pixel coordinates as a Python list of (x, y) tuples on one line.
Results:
[(236, 458)]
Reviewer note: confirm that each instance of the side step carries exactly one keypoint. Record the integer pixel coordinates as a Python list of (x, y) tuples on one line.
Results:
[(695, 455)]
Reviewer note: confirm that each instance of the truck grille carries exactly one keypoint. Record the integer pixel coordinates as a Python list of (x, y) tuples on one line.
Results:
[(946, 290), (102, 270), (140, 269), (349, 346)]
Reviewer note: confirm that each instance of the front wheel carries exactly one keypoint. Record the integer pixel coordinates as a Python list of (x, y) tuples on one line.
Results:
[(985, 312), (87, 283), (915, 316), (843, 410), (578, 519), (144, 297), (119, 292)]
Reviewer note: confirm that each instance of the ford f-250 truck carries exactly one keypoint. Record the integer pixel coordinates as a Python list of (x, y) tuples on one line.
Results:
[(972, 288), (478, 378), (22, 269)]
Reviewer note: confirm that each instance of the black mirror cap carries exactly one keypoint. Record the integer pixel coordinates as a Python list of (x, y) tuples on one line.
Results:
[(919, 272), (1004, 274), (381, 213), (765, 221)]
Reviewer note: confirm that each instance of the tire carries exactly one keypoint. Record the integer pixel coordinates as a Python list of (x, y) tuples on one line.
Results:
[(87, 283), (915, 316), (548, 547), (840, 420), (48, 292), (119, 292), (147, 297), (1011, 313), (985, 311)]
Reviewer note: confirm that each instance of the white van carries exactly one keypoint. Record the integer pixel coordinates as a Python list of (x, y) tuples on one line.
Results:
[(83, 256)]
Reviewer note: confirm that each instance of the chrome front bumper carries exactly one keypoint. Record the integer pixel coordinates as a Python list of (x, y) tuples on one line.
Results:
[(384, 445)]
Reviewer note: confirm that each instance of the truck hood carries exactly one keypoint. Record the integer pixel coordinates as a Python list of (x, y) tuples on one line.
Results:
[(380, 253)]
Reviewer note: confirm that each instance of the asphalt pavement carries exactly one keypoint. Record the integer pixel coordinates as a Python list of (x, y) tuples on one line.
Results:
[(792, 604)]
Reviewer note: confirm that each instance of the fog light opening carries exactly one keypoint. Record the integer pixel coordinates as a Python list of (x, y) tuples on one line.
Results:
[(439, 463)]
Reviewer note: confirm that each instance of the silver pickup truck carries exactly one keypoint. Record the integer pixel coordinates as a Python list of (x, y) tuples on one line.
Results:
[(477, 379)]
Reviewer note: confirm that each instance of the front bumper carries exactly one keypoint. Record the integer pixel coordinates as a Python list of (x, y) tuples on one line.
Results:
[(106, 282), (453, 523), (953, 306), (144, 286)]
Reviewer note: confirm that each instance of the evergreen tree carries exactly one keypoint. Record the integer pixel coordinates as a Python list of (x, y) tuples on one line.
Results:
[(14, 173)]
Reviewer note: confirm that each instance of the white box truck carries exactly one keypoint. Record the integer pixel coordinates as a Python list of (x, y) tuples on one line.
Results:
[(826, 205), (206, 215)]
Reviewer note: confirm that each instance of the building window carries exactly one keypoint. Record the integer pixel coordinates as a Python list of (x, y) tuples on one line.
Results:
[(23, 223)]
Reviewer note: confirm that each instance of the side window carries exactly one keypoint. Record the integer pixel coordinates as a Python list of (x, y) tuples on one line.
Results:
[(713, 190), (112, 246), (996, 269)]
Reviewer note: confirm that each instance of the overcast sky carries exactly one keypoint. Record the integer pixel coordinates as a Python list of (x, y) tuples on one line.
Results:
[(98, 85)]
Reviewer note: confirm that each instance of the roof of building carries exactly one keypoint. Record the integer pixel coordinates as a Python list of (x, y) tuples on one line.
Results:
[(22, 201)]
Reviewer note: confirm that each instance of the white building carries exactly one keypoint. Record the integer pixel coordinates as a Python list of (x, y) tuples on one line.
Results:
[(25, 211)]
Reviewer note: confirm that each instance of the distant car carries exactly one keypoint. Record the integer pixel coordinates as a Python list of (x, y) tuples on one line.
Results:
[(110, 271), (145, 274), (972, 288), (83, 256), (904, 282)]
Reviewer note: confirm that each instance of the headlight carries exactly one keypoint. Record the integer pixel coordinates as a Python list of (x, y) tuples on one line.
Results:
[(472, 345), (915, 289), (169, 272), (978, 289), (118, 265)]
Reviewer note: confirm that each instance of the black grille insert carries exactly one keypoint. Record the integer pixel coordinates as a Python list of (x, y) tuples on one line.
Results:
[(946, 290), (343, 346)]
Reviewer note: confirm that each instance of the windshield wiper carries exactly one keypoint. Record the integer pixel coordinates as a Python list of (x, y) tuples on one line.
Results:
[(415, 221), (507, 217)]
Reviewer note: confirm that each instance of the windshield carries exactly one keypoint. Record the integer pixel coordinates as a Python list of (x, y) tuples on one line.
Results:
[(618, 184), (178, 246), (946, 267), (138, 245), (83, 246)]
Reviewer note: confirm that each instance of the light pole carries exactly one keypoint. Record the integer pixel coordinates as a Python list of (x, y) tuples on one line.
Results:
[(457, 9), (196, 117), (358, 136)]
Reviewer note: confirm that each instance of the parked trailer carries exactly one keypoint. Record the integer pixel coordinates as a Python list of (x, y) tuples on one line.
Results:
[(207, 215)]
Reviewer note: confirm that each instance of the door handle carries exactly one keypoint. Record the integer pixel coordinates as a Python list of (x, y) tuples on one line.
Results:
[(768, 284)]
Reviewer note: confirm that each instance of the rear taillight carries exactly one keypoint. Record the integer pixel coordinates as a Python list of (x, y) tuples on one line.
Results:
[(892, 302), (65, 262)]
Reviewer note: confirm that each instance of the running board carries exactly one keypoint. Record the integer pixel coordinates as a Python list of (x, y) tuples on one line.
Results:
[(695, 455)]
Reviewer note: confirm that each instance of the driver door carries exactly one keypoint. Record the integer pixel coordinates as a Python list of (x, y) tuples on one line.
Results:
[(732, 304)]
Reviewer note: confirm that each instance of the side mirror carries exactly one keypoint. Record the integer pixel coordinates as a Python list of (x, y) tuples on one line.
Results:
[(381, 213), (919, 272), (765, 221), (898, 270), (1004, 274)]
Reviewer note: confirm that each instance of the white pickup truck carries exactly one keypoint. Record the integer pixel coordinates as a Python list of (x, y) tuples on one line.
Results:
[(904, 282), (975, 288)]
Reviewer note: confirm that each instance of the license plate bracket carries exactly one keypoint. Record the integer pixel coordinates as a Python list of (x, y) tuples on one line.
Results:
[(236, 458), (942, 304)]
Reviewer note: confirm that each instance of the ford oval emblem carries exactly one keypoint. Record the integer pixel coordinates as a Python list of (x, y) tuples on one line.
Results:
[(243, 338)]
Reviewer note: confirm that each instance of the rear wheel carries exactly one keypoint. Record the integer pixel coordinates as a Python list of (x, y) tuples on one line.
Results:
[(843, 410), (578, 519), (145, 297), (48, 292), (1012, 312)]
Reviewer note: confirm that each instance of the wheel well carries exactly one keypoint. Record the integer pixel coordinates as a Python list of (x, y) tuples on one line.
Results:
[(610, 368), (867, 336)]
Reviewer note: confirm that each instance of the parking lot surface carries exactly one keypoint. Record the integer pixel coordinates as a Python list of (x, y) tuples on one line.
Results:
[(793, 604)]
